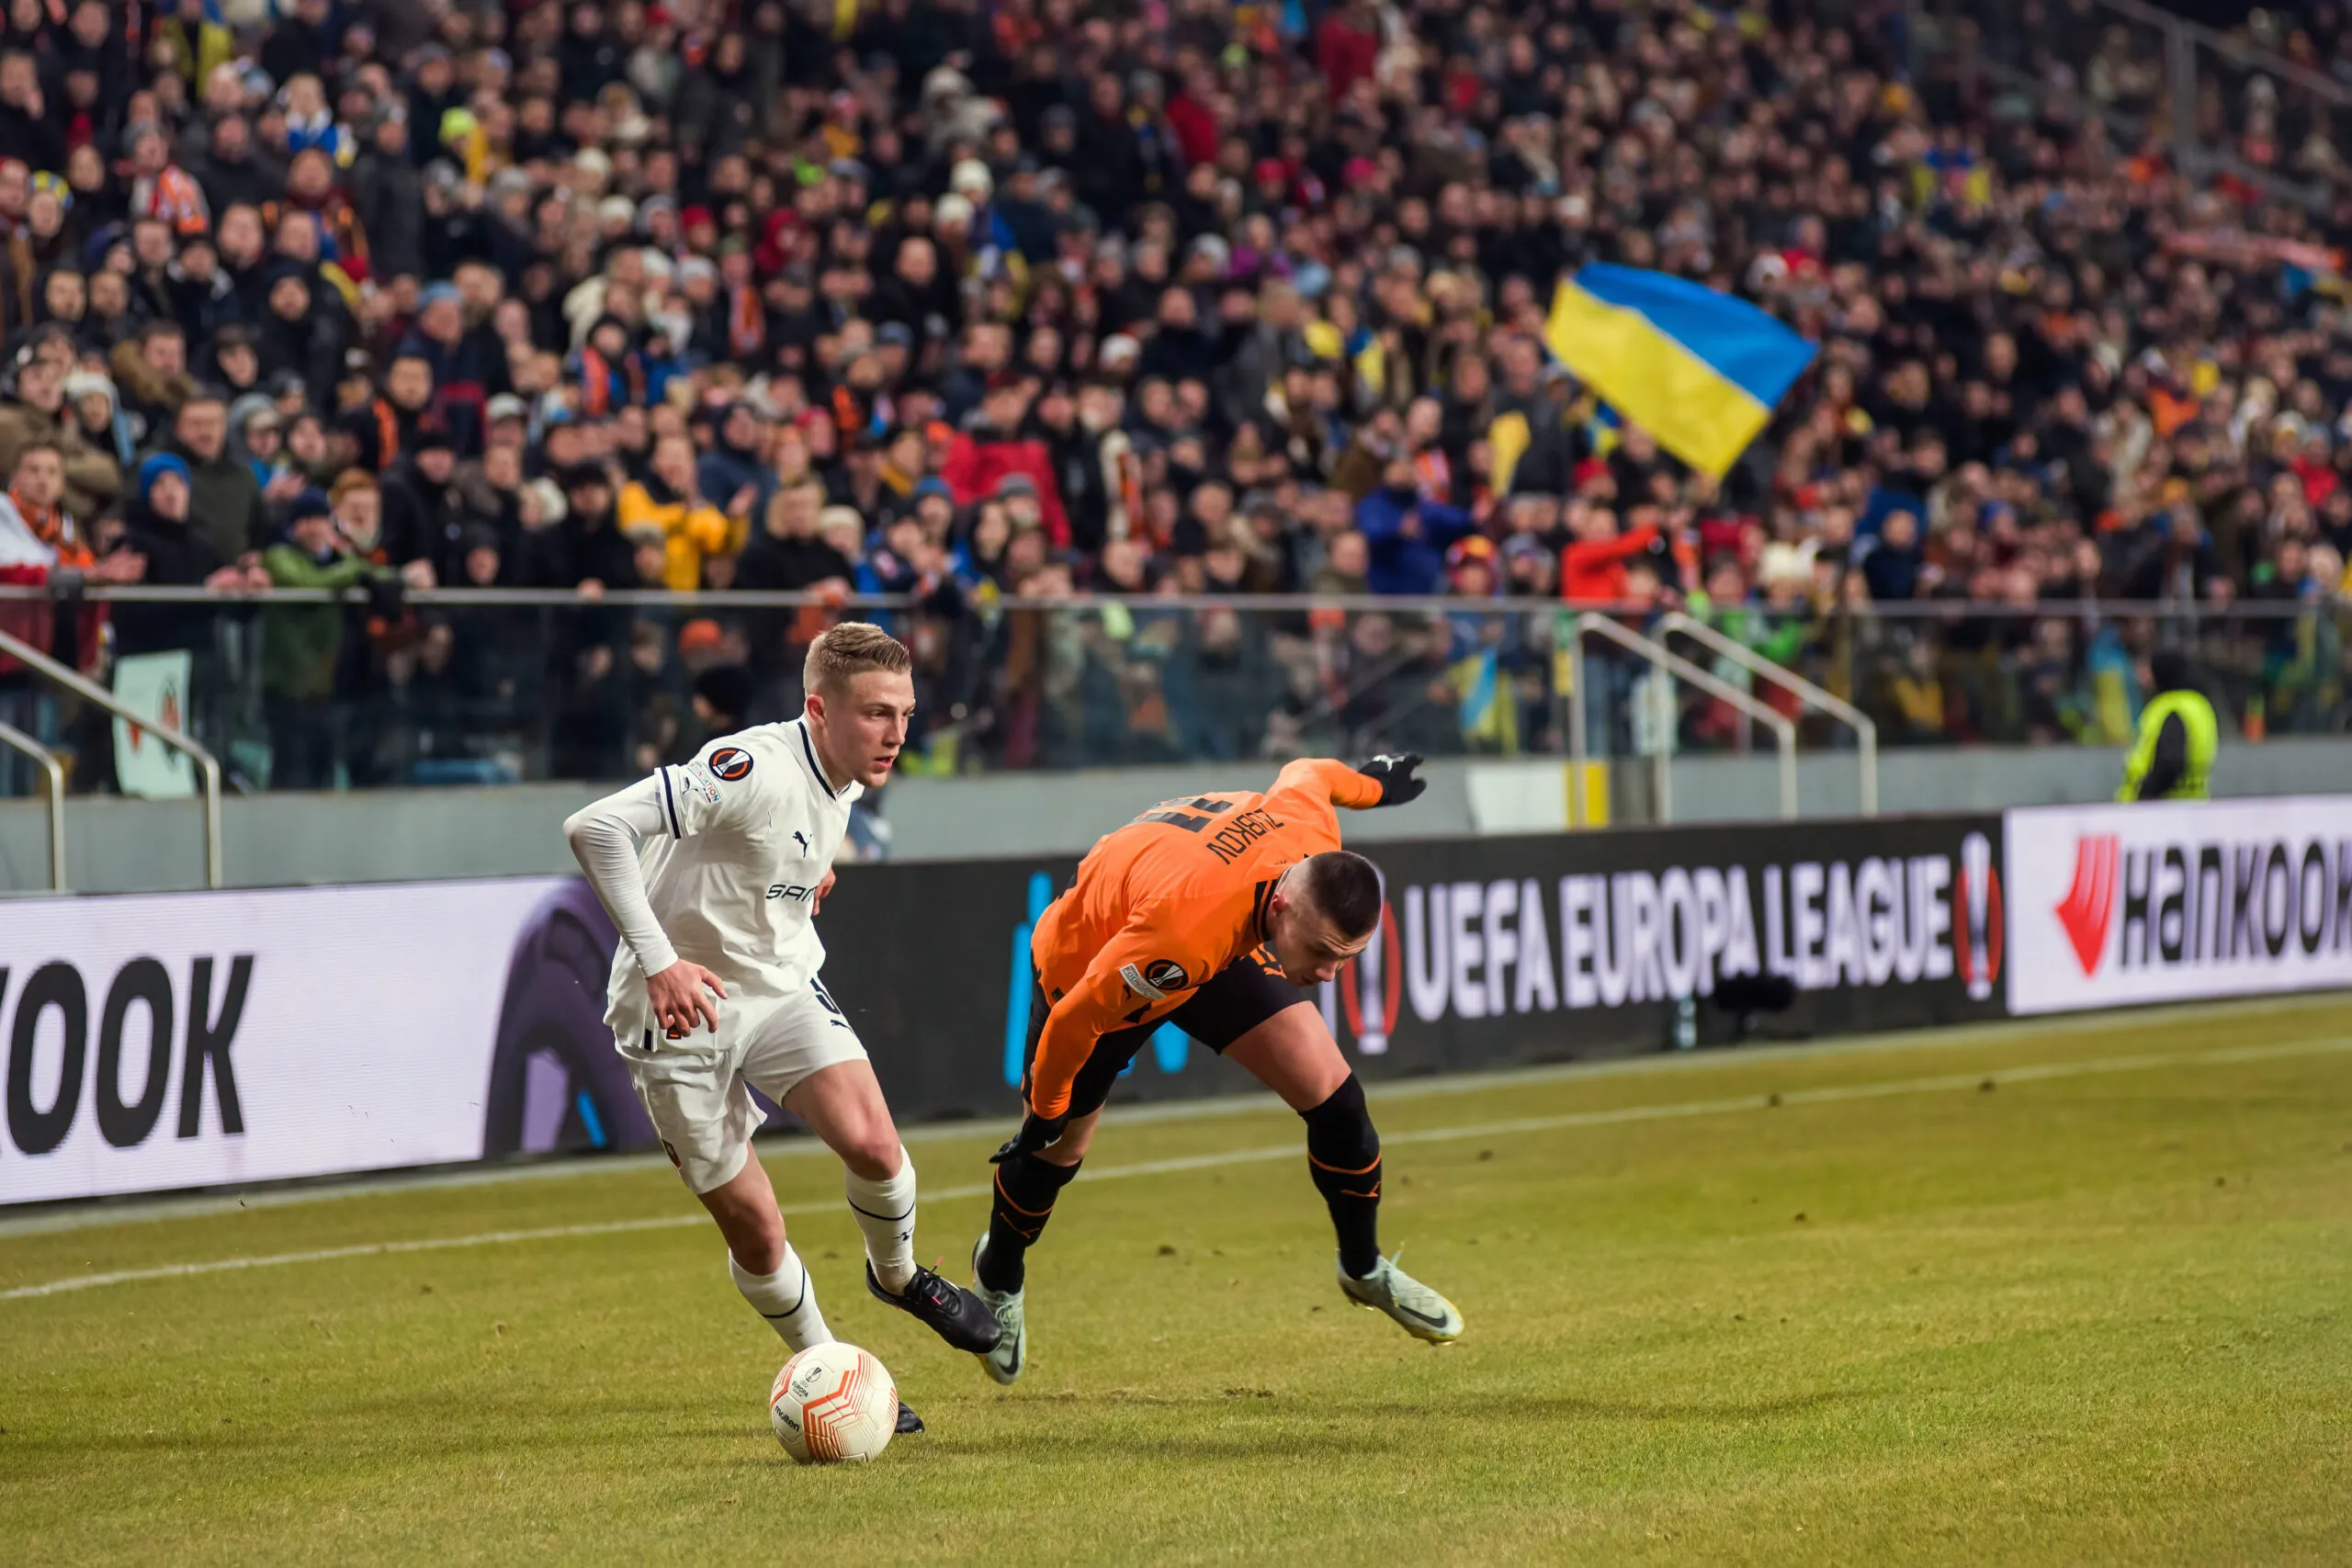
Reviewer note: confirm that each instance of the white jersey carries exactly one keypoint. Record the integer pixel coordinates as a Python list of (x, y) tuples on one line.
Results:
[(746, 832)]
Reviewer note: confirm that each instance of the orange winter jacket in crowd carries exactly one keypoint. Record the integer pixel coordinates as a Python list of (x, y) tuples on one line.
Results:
[(1592, 571)]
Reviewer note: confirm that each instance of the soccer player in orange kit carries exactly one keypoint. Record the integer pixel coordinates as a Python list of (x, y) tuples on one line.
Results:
[(1210, 912)]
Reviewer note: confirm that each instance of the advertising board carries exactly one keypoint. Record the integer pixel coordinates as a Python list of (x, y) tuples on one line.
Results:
[(2172, 901)]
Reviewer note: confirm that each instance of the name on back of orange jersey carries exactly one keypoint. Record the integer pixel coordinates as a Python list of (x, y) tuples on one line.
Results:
[(1236, 835)]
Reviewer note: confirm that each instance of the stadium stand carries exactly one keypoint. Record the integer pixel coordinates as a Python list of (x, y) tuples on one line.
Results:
[(525, 328)]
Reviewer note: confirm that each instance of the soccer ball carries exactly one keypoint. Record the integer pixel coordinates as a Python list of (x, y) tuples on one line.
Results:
[(834, 1402)]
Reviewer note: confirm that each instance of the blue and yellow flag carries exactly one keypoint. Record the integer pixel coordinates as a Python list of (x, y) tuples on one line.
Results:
[(1699, 370)]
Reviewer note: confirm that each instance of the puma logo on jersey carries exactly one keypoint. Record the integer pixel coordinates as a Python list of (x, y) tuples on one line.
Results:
[(803, 838)]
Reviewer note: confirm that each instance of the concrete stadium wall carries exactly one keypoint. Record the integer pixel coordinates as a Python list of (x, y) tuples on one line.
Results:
[(116, 845)]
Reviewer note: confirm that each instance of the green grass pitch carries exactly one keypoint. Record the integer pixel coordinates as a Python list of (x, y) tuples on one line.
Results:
[(2070, 1293)]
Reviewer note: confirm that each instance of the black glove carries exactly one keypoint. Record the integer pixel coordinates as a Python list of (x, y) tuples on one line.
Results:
[(1036, 1133), (1394, 776)]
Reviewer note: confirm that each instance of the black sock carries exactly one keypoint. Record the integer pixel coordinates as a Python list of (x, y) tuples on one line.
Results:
[(1026, 1190), (1343, 1156)]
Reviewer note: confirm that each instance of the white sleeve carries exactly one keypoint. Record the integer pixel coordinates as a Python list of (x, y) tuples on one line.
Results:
[(720, 788), (604, 838)]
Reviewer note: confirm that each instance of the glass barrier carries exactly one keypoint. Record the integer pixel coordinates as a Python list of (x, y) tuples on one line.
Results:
[(301, 692)]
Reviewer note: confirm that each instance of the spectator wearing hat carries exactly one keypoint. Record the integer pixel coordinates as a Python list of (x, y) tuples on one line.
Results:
[(159, 529), (257, 437), (506, 422), (232, 362), (467, 363), (203, 300), (90, 407)]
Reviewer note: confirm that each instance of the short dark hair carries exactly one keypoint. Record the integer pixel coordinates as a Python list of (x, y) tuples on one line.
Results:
[(1344, 887)]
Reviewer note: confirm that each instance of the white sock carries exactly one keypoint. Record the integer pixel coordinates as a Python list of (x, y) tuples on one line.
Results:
[(885, 1213), (788, 1299)]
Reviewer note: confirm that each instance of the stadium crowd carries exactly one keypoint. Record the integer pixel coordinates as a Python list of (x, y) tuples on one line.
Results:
[(1040, 300)]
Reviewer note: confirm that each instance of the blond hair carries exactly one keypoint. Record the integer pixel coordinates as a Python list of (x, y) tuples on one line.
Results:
[(852, 648)]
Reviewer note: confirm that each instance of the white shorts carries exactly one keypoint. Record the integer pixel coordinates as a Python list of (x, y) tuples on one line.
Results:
[(700, 1100)]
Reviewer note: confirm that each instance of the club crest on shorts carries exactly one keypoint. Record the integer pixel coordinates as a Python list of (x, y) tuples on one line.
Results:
[(732, 764), (1153, 981)]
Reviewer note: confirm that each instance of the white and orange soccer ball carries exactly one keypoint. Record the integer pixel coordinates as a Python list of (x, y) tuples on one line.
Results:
[(834, 1402)]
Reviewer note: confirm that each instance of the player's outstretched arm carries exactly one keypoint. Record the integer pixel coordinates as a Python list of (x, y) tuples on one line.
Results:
[(604, 837), (1383, 781)]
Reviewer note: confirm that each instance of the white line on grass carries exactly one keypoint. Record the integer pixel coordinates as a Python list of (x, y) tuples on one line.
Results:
[(1563, 1121)]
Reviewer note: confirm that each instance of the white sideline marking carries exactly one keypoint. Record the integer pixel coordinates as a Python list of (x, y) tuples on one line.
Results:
[(1566, 1120)]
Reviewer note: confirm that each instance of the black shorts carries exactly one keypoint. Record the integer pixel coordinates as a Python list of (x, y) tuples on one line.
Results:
[(1234, 1000)]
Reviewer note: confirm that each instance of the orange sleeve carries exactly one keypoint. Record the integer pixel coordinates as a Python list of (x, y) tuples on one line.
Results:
[(1132, 973), (1326, 779)]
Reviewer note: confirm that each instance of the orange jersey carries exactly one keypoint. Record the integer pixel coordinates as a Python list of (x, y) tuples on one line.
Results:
[(1168, 900)]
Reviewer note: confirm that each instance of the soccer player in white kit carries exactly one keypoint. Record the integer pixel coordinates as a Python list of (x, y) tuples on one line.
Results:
[(712, 873)]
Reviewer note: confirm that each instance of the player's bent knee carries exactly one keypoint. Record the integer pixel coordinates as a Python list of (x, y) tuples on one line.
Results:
[(745, 1211), (1339, 1133), (755, 1241), (875, 1157), (1077, 1138)]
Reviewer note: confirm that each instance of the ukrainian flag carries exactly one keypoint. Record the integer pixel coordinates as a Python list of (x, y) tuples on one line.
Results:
[(1699, 370)]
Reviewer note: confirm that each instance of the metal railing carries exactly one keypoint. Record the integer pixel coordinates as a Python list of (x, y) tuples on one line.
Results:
[(1662, 658), (46, 760), (1797, 686), (493, 687), (1396, 604), (91, 692)]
